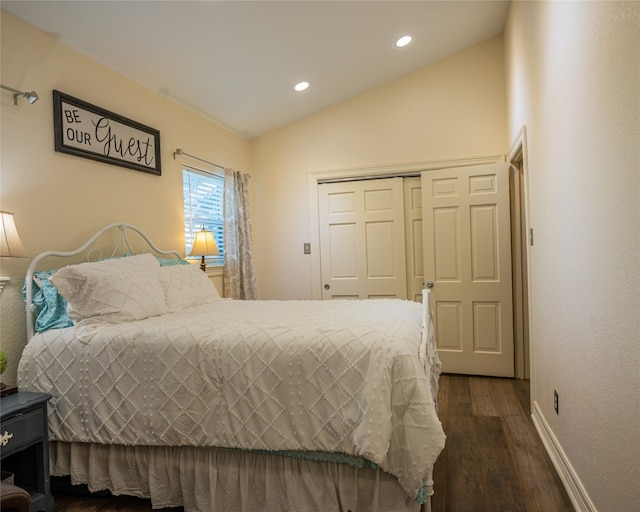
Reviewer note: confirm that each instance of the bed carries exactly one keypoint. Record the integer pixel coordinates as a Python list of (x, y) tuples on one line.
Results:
[(163, 390)]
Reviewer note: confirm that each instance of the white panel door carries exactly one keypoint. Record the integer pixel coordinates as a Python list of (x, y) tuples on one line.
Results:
[(362, 249), (413, 233), (467, 256)]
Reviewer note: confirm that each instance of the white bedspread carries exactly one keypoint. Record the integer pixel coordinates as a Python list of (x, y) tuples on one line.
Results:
[(335, 376)]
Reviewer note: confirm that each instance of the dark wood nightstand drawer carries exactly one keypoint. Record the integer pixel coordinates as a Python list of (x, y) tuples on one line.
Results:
[(24, 445), (21, 430)]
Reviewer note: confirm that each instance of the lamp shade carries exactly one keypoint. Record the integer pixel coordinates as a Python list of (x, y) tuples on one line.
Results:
[(204, 244), (10, 243)]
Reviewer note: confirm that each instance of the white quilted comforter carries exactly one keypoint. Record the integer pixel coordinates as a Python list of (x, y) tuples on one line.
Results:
[(336, 376)]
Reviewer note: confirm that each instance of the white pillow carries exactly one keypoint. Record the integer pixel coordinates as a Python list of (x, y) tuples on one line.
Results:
[(186, 286), (120, 290)]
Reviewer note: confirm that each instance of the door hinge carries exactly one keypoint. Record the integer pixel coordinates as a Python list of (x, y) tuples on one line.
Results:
[(531, 236)]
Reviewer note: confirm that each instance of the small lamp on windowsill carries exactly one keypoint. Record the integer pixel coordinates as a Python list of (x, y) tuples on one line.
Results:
[(204, 245)]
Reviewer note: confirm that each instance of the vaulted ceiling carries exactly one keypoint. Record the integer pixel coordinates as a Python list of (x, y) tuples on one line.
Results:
[(237, 62)]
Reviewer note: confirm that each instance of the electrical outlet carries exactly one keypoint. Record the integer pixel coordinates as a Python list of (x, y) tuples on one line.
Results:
[(556, 406)]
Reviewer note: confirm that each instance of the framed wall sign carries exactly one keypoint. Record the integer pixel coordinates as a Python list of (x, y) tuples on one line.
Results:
[(88, 131)]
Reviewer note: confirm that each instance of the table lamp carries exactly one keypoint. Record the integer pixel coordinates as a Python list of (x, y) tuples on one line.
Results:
[(204, 245), (10, 243)]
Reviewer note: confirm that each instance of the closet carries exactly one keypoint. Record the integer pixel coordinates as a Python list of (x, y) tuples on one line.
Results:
[(449, 229)]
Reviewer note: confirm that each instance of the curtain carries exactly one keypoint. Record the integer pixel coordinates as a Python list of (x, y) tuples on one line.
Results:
[(238, 281)]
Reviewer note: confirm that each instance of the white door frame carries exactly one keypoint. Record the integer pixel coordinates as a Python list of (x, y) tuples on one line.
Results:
[(518, 153), (359, 173)]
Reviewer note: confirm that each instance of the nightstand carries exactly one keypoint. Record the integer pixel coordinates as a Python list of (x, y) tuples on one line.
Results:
[(24, 445)]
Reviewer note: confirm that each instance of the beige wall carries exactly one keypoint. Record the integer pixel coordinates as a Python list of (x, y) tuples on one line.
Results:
[(573, 78), (60, 200), (451, 109)]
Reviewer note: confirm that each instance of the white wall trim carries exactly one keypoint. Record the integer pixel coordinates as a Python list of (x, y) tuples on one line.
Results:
[(576, 491), (410, 168)]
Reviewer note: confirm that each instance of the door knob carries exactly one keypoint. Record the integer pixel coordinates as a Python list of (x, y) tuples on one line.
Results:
[(429, 284), (326, 286)]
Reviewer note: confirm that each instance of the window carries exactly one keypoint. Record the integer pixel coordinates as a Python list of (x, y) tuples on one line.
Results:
[(203, 207)]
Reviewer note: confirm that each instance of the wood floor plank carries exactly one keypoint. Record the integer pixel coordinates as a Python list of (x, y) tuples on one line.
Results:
[(505, 397), (541, 485), (114, 504), (482, 402), (459, 390), (498, 481), (438, 500), (523, 392), (461, 457), (502, 452)]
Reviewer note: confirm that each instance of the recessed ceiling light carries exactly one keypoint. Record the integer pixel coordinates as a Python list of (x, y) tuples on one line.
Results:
[(403, 41), (301, 86)]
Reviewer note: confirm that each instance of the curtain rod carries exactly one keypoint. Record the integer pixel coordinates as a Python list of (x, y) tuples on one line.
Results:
[(179, 152)]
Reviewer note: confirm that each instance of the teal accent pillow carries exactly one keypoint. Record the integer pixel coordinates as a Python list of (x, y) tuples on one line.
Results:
[(167, 262), (51, 307)]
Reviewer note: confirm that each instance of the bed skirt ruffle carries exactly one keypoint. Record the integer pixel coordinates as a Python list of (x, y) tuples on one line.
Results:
[(206, 479)]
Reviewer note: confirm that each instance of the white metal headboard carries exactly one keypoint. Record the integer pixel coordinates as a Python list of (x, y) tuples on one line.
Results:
[(121, 245)]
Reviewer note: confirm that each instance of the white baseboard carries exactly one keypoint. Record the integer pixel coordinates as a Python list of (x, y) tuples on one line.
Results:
[(576, 491)]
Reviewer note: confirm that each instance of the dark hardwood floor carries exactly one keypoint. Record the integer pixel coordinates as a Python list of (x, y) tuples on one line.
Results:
[(493, 460)]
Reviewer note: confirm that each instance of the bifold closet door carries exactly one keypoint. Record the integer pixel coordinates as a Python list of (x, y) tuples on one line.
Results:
[(362, 239)]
